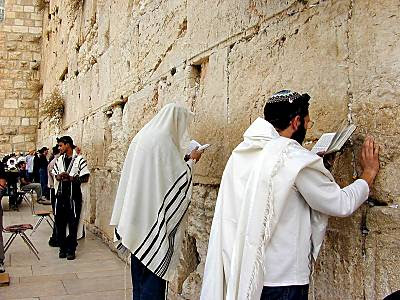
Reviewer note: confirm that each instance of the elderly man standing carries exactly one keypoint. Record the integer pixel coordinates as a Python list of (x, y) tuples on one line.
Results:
[(273, 205), (70, 171)]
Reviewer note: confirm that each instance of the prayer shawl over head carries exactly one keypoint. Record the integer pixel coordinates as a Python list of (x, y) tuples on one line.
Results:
[(154, 191), (254, 190)]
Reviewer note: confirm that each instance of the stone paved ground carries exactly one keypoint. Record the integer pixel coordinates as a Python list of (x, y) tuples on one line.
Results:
[(96, 273)]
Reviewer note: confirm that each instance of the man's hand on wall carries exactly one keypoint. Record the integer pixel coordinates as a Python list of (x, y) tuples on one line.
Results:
[(369, 160)]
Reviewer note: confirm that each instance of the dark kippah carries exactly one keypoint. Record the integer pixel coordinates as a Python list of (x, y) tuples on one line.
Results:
[(282, 106)]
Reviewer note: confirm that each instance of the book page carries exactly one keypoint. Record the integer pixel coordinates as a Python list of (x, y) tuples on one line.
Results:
[(343, 127), (193, 144), (323, 142), (344, 135)]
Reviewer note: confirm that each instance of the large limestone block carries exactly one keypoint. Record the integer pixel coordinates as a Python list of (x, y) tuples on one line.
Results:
[(375, 84), (208, 84), (93, 140), (382, 257), (139, 110), (104, 79), (70, 92), (104, 188), (158, 36), (103, 20), (303, 52), (339, 267), (213, 22), (187, 282)]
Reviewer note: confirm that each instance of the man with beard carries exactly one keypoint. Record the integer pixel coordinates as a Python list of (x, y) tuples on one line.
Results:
[(273, 206)]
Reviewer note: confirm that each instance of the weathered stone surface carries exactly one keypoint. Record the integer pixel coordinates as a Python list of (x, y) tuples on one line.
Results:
[(375, 90), (118, 62), (16, 52)]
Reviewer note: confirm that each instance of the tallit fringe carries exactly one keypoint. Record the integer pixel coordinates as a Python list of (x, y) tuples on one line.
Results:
[(265, 234)]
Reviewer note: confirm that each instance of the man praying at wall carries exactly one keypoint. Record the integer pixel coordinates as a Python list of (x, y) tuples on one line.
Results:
[(153, 198), (70, 171), (273, 205)]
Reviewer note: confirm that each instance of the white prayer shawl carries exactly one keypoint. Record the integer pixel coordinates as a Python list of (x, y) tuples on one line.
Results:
[(79, 168), (154, 191), (84, 210), (252, 195)]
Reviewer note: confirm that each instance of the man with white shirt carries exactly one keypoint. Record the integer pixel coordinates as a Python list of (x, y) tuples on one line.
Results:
[(273, 205)]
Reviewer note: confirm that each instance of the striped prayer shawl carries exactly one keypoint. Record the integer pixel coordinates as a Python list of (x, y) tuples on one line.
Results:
[(78, 167), (157, 249), (154, 192)]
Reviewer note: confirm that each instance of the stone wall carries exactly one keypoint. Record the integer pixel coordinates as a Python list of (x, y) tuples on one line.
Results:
[(20, 57), (117, 62)]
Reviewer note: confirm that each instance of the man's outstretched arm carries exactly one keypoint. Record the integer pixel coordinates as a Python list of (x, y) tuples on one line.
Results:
[(327, 197)]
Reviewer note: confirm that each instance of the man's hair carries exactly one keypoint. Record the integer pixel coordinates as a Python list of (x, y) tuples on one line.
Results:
[(19, 164), (43, 149), (283, 106), (66, 139), (55, 150)]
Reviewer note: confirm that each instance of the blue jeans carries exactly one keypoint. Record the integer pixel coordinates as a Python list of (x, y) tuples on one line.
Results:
[(146, 285), (291, 292)]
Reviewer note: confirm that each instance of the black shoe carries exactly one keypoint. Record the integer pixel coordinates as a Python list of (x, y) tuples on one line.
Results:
[(71, 256), (53, 242), (62, 254)]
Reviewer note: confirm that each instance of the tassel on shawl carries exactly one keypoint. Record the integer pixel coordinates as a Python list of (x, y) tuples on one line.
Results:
[(265, 234)]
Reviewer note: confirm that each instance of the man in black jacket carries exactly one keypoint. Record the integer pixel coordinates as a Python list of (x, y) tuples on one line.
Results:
[(43, 162)]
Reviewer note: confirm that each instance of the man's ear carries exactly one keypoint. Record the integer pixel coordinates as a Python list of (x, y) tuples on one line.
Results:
[(295, 123)]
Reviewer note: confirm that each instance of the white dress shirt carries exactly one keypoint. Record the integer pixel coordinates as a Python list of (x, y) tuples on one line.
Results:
[(287, 256)]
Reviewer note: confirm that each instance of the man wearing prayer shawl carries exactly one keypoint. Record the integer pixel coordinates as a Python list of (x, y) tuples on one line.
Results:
[(273, 205), (70, 171), (153, 198)]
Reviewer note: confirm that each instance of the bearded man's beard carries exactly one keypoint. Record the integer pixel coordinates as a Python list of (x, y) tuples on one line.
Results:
[(300, 133)]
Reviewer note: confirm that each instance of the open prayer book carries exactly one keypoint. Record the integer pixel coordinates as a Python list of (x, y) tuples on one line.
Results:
[(333, 141), (193, 144)]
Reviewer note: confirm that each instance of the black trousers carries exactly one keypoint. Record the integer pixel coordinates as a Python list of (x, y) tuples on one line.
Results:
[(291, 292), (12, 195), (67, 214)]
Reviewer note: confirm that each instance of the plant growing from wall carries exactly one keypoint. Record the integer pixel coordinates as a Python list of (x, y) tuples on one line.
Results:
[(53, 107)]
